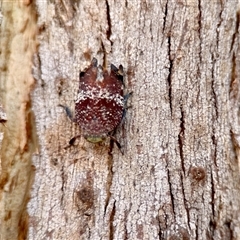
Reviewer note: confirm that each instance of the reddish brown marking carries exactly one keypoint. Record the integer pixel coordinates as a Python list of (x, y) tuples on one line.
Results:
[(100, 103)]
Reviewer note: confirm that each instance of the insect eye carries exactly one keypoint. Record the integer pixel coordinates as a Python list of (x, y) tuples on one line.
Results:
[(81, 74)]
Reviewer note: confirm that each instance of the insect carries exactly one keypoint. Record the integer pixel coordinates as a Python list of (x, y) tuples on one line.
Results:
[(100, 103)]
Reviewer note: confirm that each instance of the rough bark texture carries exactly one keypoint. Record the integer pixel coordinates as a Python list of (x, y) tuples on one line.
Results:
[(179, 175)]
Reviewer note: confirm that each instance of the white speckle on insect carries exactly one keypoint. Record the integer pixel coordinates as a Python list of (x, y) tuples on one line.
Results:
[(95, 93)]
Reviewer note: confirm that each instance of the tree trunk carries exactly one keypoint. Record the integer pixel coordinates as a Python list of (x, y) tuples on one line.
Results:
[(179, 175)]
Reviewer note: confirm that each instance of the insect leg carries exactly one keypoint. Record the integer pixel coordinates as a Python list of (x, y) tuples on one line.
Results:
[(68, 112)]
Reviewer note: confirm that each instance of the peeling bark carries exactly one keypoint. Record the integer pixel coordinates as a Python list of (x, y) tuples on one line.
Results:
[(18, 139)]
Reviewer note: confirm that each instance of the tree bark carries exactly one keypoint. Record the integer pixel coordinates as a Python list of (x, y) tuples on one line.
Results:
[(18, 135), (179, 175)]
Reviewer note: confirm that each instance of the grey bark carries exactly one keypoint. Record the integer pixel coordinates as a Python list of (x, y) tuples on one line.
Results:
[(179, 175)]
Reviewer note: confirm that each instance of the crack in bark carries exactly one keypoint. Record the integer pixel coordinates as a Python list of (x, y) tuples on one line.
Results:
[(235, 145), (212, 86), (180, 140), (109, 182), (159, 224), (165, 16), (108, 35), (125, 228), (218, 25), (199, 31), (200, 17), (171, 193), (111, 219), (170, 74), (62, 187), (233, 89), (213, 63), (109, 30), (104, 55), (210, 230), (185, 202), (215, 149), (65, 11), (236, 33), (197, 231), (212, 195), (229, 232), (216, 110)]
